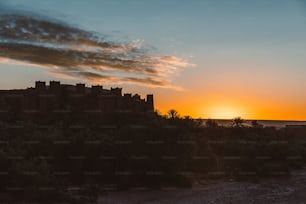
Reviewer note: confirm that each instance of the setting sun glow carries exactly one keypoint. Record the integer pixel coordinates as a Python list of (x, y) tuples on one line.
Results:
[(224, 112)]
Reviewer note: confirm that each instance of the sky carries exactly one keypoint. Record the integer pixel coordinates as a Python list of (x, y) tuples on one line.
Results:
[(204, 58)]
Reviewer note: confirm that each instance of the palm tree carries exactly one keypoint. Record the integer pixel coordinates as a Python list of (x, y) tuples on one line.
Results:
[(173, 114)]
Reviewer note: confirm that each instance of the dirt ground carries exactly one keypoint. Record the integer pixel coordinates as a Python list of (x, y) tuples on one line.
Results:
[(290, 190)]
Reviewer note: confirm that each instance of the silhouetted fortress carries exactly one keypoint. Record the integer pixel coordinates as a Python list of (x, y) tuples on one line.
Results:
[(63, 98)]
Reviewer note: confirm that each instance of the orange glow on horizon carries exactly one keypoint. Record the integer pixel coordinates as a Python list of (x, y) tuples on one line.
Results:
[(223, 112), (230, 113), (230, 109)]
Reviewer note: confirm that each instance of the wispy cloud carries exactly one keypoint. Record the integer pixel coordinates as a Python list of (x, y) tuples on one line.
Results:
[(69, 51)]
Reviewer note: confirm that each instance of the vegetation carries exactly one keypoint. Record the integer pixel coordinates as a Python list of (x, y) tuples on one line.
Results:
[(211, 123), (238, 122), (41, 160), (172, 114)]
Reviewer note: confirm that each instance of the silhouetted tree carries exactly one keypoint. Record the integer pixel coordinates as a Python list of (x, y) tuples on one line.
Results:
[(187, 117), (173, 114), (238, 122)]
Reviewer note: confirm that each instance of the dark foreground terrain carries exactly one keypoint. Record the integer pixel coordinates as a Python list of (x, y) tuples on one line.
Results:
[(290, 190), (136, 158)]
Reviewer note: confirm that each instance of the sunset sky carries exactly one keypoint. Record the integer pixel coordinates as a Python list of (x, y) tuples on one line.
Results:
[(204, 58)]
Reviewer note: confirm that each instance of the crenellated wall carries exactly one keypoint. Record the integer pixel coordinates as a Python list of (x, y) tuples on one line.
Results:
[(59, 97)]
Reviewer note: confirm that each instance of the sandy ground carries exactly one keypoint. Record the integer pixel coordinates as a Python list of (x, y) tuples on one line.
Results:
[(291, 190)]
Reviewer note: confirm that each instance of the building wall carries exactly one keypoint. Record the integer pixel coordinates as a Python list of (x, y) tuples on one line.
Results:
[(56, 96)]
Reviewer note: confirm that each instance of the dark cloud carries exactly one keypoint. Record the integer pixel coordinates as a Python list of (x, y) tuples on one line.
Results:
[(70, 51)]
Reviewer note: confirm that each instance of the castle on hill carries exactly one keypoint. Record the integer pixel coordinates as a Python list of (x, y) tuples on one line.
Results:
[(57, 97)]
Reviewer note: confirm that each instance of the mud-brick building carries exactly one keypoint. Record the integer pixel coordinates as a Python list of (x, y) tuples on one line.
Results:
[(57, 97)]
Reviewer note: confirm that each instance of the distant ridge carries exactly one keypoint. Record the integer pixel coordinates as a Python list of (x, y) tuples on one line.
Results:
[(265, 123)]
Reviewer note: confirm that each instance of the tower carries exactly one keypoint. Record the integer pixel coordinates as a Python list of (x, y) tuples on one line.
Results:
[(55, 86), (97, 89), (80, 88), (150, 102), (116, 91), (40, 85)]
